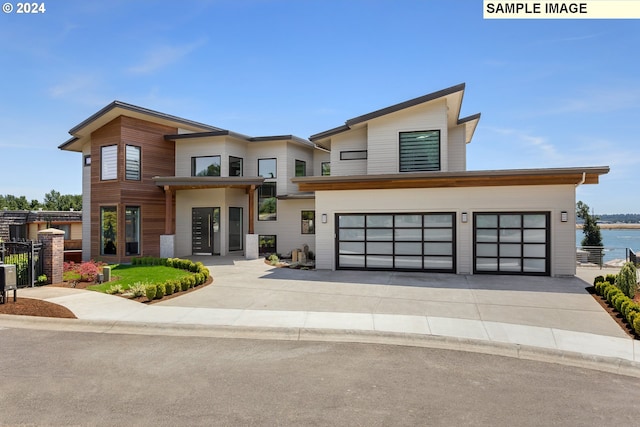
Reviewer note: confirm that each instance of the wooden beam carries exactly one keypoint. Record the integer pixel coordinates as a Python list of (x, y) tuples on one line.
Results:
[(168, 209), (251, 190)]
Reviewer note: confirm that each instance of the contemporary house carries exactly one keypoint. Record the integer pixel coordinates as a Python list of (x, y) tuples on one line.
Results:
[(386, 190)]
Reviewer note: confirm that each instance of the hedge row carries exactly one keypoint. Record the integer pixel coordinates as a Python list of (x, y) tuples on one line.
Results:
[(157, 291), (624, 305)]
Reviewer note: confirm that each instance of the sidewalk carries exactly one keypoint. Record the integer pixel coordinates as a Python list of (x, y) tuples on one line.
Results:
[(532, 317)]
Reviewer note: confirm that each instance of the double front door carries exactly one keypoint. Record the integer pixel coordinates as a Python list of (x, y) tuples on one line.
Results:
[(205, 230)]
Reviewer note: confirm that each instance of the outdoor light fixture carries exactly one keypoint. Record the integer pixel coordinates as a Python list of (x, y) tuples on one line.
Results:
[(324, 218), (564, 216), (464, 217)]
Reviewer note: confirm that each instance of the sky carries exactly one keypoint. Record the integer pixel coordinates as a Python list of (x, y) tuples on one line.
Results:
[(552, 93)]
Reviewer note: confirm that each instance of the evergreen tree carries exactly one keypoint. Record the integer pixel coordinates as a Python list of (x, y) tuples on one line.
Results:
[(591, 229)]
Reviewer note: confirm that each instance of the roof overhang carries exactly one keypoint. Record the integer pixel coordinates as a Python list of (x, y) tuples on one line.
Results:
[(453, 96), (488, 178), (202, 182), (83, 130)]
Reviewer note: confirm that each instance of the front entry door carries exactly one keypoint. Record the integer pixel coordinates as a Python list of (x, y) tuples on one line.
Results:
[(204, 231)]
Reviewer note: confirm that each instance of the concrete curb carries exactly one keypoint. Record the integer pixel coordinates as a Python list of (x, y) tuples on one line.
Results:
[(600, 363)]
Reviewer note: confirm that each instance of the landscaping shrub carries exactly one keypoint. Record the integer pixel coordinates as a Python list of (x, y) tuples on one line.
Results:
[(636, 325), (611, 278), (115, 289), (160, 290), (598, 279), (169, 287), (138, 289), (184, 283), (151, 292), (627, 279)]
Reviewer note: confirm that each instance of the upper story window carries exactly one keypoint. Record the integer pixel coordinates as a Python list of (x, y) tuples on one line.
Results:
[(267, 168), (132, 163), (326, 168), (205, 166), (353, 155), (420, 151), (301, 168), (109, 162), (235, 166)]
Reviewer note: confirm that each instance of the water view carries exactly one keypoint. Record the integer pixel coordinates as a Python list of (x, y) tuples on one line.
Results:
[(616, 241)]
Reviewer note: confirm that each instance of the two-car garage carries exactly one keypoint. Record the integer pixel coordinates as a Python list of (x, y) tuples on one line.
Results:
[(503, 242)]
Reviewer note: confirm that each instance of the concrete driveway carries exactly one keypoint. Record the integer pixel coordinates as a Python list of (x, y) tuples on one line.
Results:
[(560, 303)]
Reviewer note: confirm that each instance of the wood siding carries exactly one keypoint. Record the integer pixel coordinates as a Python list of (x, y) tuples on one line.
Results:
[(156, 159)]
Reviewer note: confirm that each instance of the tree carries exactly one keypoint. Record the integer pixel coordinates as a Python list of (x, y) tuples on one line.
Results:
[(54, 201), (591, 229)]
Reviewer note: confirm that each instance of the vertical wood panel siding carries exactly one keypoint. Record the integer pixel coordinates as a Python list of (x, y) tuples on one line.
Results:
[(157, 159)]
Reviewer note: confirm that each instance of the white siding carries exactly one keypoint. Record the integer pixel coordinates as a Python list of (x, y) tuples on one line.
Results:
[(383, 146), (297, 152), (86, 205), (352, 140), (212, 146), (457, 149), (269, 150), (554, 199), (288, 226), (319, 157)]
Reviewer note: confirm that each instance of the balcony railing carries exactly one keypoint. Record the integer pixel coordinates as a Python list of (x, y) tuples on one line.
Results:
[(604, 256)]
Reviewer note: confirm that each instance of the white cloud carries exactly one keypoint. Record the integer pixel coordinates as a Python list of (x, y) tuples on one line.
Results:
[(162, 56), (539, 144)]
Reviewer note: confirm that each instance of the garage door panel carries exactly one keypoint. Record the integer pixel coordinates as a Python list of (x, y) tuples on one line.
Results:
[(512, 243), (407, 241)]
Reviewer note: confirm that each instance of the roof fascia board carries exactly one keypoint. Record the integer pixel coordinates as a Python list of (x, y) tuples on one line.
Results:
[(118, 105)]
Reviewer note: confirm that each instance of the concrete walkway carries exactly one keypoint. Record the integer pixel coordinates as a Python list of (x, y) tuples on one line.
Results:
[(533, 317)]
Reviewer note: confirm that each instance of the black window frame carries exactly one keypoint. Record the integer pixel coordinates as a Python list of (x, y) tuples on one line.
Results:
[(403, 167), (273, 186), (239, 160), (354, 155), (195, 158), (261, 250), (311, 227), (275, 169), (303, 165), (325, 167), (136, 174)]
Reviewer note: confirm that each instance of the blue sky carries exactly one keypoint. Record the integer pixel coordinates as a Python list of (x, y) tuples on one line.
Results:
[(552, 93)]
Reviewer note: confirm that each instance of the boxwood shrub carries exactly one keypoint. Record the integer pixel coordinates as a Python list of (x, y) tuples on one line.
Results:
[(625, 306), (150, 291)]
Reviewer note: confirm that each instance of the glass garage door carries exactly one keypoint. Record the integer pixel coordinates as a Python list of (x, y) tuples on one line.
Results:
[(416, 241), (512, 243)]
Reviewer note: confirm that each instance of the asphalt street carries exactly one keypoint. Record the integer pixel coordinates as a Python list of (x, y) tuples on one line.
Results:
[(78, 378)]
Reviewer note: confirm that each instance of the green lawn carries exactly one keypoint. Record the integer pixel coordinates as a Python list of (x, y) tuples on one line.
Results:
[(126, 275)]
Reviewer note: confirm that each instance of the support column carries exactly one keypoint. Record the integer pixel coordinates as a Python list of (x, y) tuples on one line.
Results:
[(53, 254), (168, 209)]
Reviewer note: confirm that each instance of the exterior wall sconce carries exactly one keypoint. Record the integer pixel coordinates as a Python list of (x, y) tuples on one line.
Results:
[(464, 217), (564, 216), (324, 218)]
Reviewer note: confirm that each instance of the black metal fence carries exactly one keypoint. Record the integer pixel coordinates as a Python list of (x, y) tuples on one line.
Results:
[(604, 255), (26, 257)]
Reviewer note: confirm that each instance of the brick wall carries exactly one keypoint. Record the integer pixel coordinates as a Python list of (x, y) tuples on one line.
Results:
[(53, 253)]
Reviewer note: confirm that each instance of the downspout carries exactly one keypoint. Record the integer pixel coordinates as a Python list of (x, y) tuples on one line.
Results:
[(584, 178)]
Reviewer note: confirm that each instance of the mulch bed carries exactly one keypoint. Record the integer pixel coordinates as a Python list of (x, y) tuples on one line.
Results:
[(35, 307), (613, 313)]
